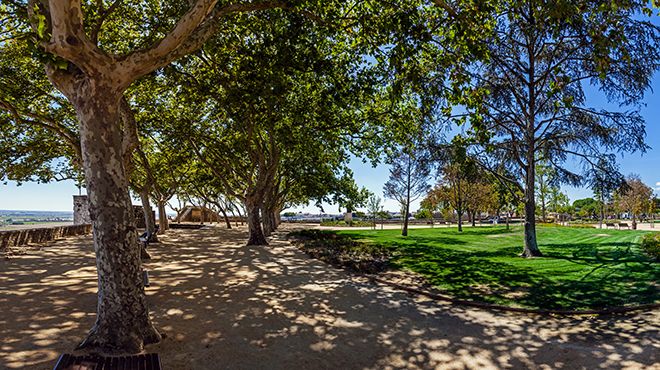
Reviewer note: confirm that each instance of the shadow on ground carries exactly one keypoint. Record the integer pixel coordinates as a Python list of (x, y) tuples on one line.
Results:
[(224, 305)]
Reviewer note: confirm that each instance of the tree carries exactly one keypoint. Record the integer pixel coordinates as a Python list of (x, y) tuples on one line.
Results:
[(479, 196), (39, 138), (277, 112), (531, 105), (374, 206), (544, 186), (91, 55), (558, 203), (633, 197), (508, 197), (408, 181), (586, 208)]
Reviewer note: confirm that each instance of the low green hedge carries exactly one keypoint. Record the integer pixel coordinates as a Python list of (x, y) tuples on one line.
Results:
[(342, 223), (651, 245)]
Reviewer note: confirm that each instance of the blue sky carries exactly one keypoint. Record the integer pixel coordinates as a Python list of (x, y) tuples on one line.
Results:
[(58, 196)]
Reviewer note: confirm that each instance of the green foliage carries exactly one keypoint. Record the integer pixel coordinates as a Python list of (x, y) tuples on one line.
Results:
[(581, 268), (342, 223), (423, 214), (651, 245), (587, 207)]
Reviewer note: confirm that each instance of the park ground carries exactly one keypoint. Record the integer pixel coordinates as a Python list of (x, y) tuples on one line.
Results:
[(224, 305), (582, 268)]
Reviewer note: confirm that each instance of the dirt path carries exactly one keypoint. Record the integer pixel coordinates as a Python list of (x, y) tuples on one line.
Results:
[(223, 305)]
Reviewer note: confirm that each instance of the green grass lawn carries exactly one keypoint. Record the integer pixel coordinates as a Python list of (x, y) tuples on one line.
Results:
[(581, 268)]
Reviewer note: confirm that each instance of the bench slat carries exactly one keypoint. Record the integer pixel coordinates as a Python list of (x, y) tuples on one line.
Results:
[(149, 361)]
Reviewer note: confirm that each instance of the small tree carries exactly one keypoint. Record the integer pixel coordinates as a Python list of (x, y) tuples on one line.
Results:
[(374, 207), (544, 187), (479, 196), (408, 181), (633, 197)]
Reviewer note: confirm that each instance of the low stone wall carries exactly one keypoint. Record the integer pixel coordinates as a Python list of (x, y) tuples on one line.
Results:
[(16, 238)]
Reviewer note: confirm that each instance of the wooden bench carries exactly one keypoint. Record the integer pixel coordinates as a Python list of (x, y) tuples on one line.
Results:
[(623, 224), (610, 224), (148, 361)]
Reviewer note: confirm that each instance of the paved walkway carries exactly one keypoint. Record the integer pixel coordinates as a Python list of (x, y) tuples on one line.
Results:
[(224, 305)]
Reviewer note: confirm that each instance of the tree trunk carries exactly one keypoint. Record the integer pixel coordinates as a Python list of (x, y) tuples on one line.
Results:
[(531, 247), (634, 221), (507, 220), (267, 222), (543, 213), (149, 220), (163, 222), (404, 232), (122, 321), (278, 217), (257, 236), (473, 214), (224, 215), (460, 220)]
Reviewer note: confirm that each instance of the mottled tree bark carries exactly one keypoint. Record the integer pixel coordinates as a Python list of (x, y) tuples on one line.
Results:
[(149, 219), (257, 236), (122, 323), (226, 217), (149, 223), (267, 222), (163, 222)]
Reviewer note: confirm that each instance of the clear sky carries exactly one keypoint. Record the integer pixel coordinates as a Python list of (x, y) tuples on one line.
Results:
[(58, 196)]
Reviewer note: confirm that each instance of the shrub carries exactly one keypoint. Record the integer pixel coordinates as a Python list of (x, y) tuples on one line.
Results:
[(343, 223), (651, 245), (342, 251), (582, 226)]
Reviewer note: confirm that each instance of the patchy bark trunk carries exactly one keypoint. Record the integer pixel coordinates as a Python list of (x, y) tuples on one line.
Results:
[(149, 219), (531, 247), (149, 223), (634, 221), (278, 217), (163, 222), (224, 215), (473, 216), (267, 222), (122, 322), (257, 236)]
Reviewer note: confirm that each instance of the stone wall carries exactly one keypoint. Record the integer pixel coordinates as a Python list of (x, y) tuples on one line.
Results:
[(17, 238), (81, 212)]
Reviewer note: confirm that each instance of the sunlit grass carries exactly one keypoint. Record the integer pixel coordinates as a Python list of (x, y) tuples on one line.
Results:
[(581, 268)]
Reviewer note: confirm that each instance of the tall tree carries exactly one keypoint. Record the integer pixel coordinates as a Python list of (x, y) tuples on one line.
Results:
[(408, 181), (91, 54), (532, 102)]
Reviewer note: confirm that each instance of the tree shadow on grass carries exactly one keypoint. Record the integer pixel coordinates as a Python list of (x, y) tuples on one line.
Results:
[(612, 274), (225, 305)]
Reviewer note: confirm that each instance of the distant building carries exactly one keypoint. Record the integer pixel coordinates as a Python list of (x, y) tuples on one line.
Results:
[(196, 214)]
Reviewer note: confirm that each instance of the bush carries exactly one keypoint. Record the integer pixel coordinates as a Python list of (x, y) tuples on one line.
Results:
[(651, 245), (343, 223), (342, 251), (582, 226)]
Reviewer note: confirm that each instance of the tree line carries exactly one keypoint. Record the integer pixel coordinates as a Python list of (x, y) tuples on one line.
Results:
[(261, 104)]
